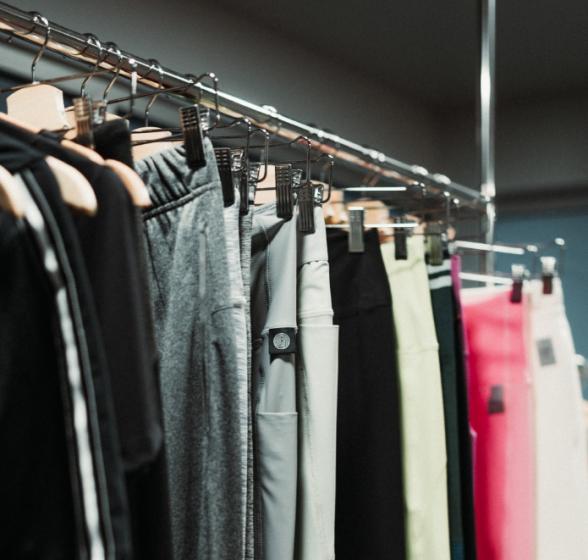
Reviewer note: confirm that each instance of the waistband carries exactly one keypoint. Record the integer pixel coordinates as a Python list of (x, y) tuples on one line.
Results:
[(358, 280), (171, 181)]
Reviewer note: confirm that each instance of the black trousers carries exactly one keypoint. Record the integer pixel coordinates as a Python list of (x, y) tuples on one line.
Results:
[(369, 522)]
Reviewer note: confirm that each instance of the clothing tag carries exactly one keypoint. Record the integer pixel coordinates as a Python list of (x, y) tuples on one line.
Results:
[(546, 352), (496, 400), (282, 341)]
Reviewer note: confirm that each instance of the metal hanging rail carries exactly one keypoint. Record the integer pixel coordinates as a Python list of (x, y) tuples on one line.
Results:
[(32, 27)]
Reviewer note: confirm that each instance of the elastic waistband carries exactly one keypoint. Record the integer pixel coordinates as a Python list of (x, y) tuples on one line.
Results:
[(170, 180)]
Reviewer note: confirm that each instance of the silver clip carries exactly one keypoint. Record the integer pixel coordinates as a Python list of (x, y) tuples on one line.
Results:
[(356, 220)]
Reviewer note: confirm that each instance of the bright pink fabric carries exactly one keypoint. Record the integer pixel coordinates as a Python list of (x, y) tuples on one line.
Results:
[(504, 451)]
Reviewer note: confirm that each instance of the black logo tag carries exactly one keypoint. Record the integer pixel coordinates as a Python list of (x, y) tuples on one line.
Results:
[(282, 341), (496, 400)]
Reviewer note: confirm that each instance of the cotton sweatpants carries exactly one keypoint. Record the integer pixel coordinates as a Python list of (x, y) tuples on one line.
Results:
[(423, 424), (561, 457), (194, 324), (273, 317), (369, 512), (442, 299), (317, 366), (501, 414)]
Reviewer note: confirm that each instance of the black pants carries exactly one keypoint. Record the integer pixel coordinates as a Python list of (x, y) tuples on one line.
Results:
[(369, 522)]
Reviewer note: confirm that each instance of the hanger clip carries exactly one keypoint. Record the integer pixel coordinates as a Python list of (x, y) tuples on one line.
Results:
[(548, 271), (223, 162), (306, 208), (356, 221), (518, 277), (318, 194), (247, 185), (84, 119), (435, 244), (284, 196), (193, 136), (400, 242)]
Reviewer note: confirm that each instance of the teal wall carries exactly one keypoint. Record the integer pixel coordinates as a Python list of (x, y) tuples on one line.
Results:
[(573, 227)]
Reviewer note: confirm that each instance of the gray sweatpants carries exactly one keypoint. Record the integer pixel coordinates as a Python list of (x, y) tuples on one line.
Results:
[(273, 309), (199, 375)]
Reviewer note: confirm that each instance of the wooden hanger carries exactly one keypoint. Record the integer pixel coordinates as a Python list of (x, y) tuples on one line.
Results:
[(41, 106), (11, 198), (142, 151), (75, 189), (132, 182)]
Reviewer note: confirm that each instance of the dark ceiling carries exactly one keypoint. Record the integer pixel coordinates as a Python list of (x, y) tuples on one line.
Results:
[(429, 49)]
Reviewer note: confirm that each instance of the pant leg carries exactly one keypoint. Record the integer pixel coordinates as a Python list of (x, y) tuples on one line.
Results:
[(200, 385), (245, 226), (369, 511), (444, 315), (273, 296), (561, 458), (424, 451), (317, 399)]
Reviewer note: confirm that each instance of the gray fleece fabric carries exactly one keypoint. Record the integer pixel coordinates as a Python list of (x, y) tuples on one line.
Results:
[(199, 376)]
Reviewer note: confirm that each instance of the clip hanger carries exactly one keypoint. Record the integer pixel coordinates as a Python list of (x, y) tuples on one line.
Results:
[(192, 132), (518, 276), (400, 242), (284, 195), (548, 272), (83, 112), (435, 243), (356, 223), (223, 162)]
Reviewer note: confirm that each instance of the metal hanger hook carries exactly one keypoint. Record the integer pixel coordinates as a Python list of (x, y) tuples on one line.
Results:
[(154, 65), (213, 78), (112, 47), (99, 59), (38, 19)]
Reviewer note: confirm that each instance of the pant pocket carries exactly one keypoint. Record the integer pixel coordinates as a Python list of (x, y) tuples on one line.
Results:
[(278, 465)]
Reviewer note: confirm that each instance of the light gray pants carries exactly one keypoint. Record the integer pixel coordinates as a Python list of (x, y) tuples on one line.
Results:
[(273, 309), (199, 375)]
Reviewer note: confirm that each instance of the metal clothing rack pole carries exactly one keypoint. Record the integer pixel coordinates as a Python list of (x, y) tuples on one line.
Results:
[(76, 46), (486, 119)]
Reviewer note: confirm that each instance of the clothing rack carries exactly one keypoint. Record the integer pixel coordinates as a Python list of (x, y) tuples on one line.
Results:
[(35, 29)]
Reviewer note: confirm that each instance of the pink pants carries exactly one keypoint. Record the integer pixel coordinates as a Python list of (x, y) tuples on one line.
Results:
[(500, 398)]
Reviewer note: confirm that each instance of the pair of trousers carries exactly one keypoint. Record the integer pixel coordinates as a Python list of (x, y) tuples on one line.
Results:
[(274, 326), (200, 384), (500, 399), (423, 422), (369, 511), (317, 366), (560, 434), (442, 300)]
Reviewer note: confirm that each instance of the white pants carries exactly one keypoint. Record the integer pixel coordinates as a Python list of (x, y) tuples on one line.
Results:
[(561, 460)]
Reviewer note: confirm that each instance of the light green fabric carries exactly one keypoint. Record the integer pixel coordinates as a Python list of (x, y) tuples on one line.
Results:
[(423, 425)]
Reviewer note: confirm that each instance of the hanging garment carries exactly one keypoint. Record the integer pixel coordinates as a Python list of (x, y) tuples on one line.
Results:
[(113, 253), (561, 457), (423, 425), (369, 512), (37, 452), (273, 317), (466, 434), (194, 332), (238, 302), (317, 366), (443, 305), (109, 478), (245, 229), (501, 415)]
